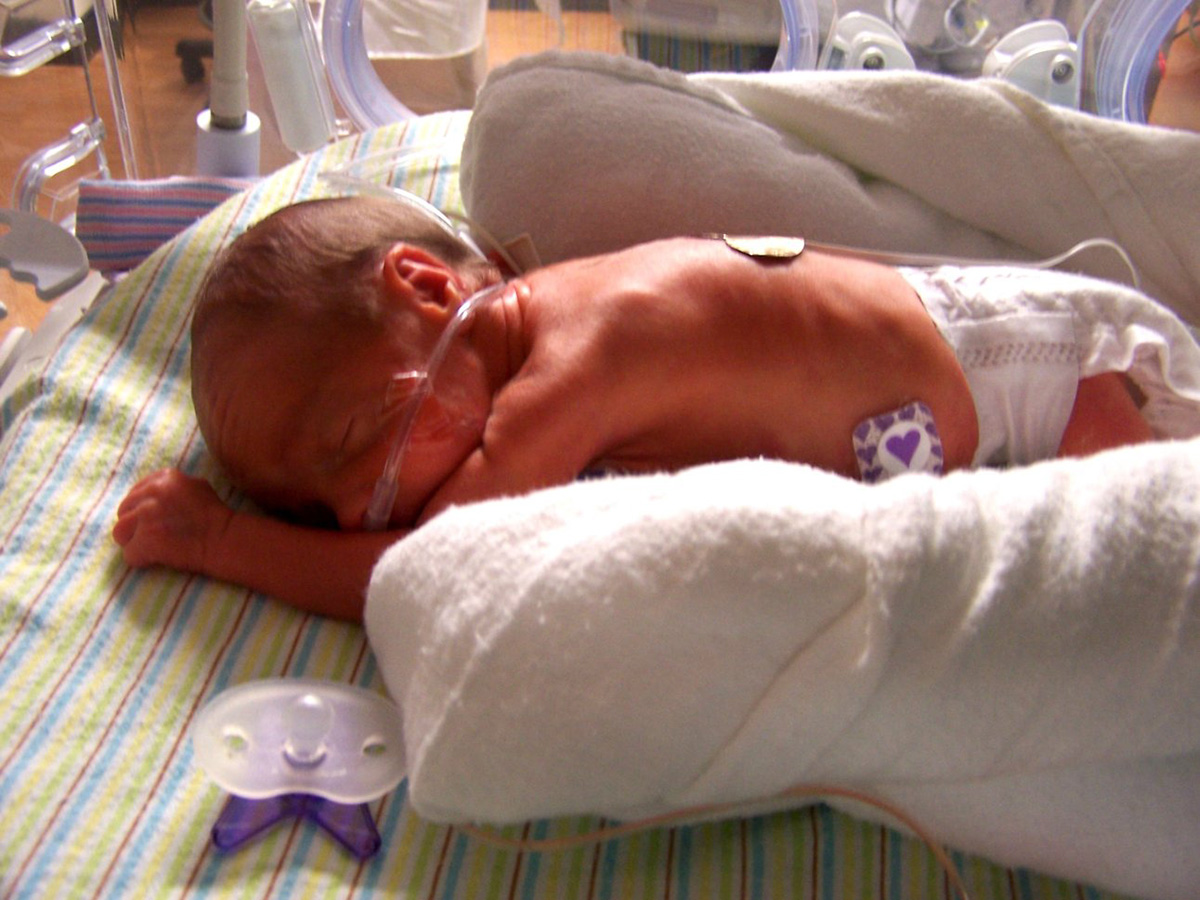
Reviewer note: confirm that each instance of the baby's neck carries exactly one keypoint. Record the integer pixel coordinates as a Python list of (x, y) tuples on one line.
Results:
[(497, 335)]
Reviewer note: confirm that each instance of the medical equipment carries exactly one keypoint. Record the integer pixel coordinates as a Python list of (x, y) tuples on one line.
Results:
[(54, 262), (1097, 55), (1071, 52), (1122, 42), (960, 31), (227, 132), (902, 440), (113, 664), (1107, 59), (300, 747), (287, 44), (1040, 58), (1037, 56), (858, 40), (46, 33), (40, 252), (362, 176)]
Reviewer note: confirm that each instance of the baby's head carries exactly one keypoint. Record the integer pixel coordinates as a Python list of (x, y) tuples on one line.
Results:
[(299, 333)]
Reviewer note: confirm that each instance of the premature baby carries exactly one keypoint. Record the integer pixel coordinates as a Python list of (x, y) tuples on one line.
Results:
[(657, 357)]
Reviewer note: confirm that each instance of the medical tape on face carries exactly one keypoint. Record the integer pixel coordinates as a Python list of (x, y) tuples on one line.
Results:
[(903, 440)]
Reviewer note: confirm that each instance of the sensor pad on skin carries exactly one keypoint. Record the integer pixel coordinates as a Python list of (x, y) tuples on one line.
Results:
[(903, 440)]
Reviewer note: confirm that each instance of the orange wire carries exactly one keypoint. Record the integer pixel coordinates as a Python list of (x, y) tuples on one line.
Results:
[(800, 791)]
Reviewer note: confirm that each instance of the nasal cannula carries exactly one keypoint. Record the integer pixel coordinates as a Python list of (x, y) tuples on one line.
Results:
[(383, 498), (379, 512)]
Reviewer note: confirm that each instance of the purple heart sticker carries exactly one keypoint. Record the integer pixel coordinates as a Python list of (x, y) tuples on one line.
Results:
[(904, 446)]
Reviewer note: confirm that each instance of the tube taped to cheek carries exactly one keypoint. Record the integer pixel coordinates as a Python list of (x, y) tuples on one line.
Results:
[(903, 440)]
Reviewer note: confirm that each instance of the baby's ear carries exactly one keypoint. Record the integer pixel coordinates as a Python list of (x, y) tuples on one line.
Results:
[(420, 279)]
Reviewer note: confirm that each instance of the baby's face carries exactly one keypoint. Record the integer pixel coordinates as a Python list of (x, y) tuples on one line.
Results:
[(310, 441)]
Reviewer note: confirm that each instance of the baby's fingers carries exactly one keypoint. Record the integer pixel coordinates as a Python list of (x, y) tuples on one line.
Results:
[(158, 520), (154, 484), (124, 528)]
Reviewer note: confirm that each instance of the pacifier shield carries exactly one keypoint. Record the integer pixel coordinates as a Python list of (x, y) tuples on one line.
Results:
[(294, 735)]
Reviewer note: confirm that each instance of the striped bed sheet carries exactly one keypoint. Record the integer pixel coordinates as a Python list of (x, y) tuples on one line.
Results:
[(120, 223), (103, 669)]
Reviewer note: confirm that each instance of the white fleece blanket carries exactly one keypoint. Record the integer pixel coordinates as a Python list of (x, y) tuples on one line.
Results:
[(590, 153), (1013, 657)]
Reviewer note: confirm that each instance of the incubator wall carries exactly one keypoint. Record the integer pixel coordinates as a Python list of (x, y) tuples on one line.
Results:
[(380, 65), (143, 94), (390, 58), (41, 42), (1102, 56), (144, 91)]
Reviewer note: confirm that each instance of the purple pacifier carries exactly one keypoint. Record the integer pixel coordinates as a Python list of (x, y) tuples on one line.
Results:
[(300, 747)]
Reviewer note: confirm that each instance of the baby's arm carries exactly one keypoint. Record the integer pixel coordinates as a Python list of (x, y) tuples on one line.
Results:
[(171, 519)]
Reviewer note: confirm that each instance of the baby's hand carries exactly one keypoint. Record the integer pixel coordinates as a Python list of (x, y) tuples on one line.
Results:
[(170, 519)]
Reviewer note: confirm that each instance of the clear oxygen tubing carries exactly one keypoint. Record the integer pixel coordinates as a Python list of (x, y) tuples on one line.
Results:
[(445, 220), (1125, 52), (383, 497)]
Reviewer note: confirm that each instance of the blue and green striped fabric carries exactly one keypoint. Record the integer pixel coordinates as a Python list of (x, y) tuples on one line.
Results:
[(103, 669)]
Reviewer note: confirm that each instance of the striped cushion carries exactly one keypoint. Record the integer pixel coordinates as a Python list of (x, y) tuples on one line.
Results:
[(120, 223), (102, 669)]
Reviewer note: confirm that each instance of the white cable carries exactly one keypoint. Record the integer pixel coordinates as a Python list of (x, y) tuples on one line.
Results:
[(926, 261)]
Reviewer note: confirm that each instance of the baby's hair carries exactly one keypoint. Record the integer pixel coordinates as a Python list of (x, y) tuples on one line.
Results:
[(317, 261)]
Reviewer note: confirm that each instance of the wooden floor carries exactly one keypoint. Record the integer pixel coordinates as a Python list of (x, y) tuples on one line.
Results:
[(39, 108)]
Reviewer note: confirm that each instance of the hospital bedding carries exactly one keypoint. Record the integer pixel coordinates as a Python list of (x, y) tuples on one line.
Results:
[(102, 669)]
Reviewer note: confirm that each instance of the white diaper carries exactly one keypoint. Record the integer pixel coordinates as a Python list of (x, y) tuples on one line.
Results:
[(1025, 337)]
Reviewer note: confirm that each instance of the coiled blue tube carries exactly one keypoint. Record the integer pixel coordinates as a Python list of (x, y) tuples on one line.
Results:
[(366, 101), (798, 46)]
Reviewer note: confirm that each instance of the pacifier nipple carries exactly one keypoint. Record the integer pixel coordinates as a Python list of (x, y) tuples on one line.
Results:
[(307, 722)]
